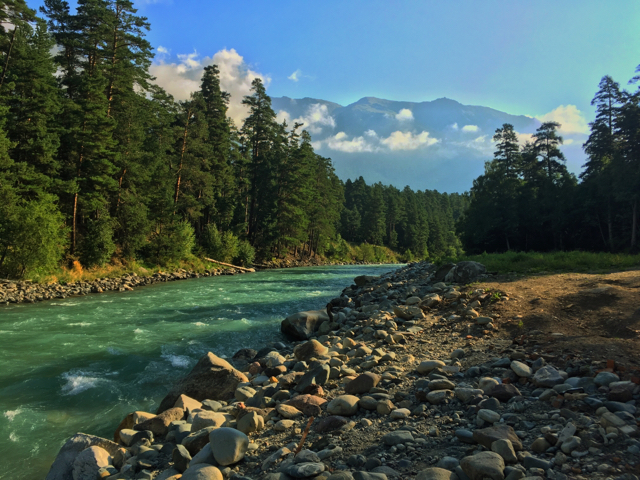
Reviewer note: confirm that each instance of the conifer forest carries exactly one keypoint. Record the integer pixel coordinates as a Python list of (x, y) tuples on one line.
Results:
[(98, 163)]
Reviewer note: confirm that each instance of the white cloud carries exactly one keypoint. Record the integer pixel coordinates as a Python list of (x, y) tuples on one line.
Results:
[(571, 120), (455, 126), (316, 117), (471, 128), (404, 115), (371, 133), (283, 116), (182, 78), (524, 138), (341, 143), (295, 76), (408, 141), (162, 51)]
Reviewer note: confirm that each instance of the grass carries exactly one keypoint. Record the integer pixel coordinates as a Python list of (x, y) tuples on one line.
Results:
[(76, 273), (534, 262)]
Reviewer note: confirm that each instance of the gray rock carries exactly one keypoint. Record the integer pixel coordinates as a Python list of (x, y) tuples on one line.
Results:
[(362, 383), (345, 405), (369, 476), (212, 378), (303, 325), (505, 449), (605, 378), (465, 436), (228, 445), (63, 464), (204, 456), (534, 462), (88, 462), (483, 465), (306, 456), (465, 272), (547, 377), (318, 376), (399, 436), (180, 458), (306, 469), (435, 473), (202, 471), (344, 475), (448, 463), (521, 369)]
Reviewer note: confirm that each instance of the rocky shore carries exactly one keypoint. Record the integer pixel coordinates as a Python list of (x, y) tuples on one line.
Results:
[(404, 376), (29, 292)]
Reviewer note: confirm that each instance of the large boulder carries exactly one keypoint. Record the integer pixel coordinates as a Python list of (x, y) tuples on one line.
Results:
[(442, 271), (88, 463), (62, 467), (303, 325), (211, 379), (362, 280), (465, 272)]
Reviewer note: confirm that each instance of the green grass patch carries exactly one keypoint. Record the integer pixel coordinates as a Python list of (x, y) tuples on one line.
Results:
[(535, 262)]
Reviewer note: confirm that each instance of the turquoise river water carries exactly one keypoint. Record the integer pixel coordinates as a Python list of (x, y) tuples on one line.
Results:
[(82, 364)]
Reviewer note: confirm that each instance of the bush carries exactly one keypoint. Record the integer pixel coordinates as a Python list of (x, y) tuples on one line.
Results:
[(245, 255), (32, 236), (172, 242), (133, 225), (97, 244)]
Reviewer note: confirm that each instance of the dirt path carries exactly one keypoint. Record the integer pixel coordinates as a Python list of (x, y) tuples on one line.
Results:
[(597, 315)]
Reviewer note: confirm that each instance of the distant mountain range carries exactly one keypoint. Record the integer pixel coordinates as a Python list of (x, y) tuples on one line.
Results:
[(441, 144)]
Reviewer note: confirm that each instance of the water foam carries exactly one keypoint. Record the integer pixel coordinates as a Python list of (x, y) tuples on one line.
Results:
[(138, 330), (80, 324), (200, 324), (78, 382), (11, 414), (178, 361), (13, 437)]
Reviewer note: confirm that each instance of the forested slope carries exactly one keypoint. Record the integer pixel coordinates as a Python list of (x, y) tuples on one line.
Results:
[(97, 163)]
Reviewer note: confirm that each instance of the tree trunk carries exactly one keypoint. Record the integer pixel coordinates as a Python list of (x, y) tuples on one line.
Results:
[(610, 225), (182, 151), (634, 224), (75, 216), (506, 236)]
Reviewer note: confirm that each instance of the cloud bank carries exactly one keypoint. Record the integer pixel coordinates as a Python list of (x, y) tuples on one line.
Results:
[(183, 77)]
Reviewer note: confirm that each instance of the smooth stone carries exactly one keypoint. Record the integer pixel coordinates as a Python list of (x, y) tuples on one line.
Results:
[(486, 436), (489, 415), (399, 436), (345, 405), (547, 377), (228, 445), (448, 463), (505, 449), (202, 471), (605, 379), (180, 458), (436, 473), (400, 413), (306, 469), (483, 465), (534, 462), (362, 383), (428, 365), (521, 369), (87, 464)]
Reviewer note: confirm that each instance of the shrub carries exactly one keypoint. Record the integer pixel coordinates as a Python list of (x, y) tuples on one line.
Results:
[(172, 242), (245, 255), (97, 244)]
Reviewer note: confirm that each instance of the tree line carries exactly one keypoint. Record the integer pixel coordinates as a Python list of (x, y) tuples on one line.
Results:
[(97, 162), (527, 200)]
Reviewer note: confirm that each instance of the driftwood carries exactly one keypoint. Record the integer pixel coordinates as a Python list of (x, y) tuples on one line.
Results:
[(250, 270)]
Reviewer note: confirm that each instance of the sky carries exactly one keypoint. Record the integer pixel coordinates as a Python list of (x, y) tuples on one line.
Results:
[(540, 58)]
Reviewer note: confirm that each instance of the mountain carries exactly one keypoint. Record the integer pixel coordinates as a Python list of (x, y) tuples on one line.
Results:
[(440, 144)]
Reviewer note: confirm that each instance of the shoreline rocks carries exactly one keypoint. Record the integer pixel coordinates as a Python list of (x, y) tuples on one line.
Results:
[(433, 396)]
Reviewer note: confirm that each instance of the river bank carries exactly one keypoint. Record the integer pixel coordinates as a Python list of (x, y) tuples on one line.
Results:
[(410, 378), (14, 291)]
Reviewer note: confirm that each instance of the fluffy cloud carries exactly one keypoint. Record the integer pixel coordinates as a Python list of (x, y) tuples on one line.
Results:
[(316, 117), (455, 126), (341, 143), (408, 141), (283, 116), (182, 78), (470, 128), (295, 76), (163, 51), (571, 120), (404, 115), (524, 138)]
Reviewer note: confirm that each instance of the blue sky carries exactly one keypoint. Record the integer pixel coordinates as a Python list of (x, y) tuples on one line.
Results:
[(524, 57), (539, 58)]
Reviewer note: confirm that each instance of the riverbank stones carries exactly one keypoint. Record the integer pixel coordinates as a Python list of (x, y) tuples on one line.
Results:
[(228, 445), (345, 405)]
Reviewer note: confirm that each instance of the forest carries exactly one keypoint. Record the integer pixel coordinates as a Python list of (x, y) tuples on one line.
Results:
[(527, 200), (98, 164)]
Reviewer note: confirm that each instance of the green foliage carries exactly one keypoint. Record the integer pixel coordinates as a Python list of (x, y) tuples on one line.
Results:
[(32, 235), (171, 243), (537, 262), (97, 245), (245, 254)]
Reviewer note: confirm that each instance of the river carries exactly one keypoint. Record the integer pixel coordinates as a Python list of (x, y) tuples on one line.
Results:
[(82, 364)]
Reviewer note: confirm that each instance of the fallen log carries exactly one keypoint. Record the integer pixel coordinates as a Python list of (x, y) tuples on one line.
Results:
[(250, 270)]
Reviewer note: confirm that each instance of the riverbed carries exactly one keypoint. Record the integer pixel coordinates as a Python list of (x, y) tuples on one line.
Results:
[(81, 364)]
